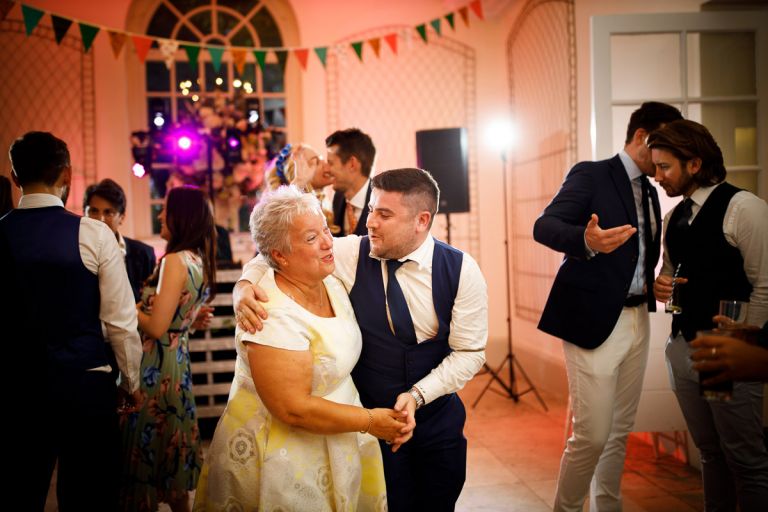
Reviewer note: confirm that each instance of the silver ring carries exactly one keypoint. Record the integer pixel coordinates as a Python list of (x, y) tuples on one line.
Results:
[(388, 442)]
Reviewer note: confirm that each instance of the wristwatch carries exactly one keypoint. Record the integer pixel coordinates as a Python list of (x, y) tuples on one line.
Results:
[(416, 394)]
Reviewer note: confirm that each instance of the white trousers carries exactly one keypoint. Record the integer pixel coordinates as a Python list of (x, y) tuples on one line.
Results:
[(605, 385)]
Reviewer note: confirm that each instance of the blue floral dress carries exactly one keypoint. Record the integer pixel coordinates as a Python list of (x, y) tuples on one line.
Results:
[(161, 442)]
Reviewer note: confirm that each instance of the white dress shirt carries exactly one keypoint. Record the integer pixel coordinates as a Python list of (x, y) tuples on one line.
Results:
[(469, 320), (101, 256), (745, 226)]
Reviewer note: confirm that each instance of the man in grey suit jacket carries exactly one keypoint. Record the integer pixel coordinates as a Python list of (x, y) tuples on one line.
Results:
[(606, 220)]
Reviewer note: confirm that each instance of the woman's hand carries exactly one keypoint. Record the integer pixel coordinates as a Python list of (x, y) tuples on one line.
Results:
[(387, 424)]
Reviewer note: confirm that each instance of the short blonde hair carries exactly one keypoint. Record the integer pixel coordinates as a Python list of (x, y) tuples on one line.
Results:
[(272, 218)]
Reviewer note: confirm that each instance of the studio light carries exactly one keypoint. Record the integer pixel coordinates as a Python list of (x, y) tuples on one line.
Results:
[(184, 142), (501, 135), (159, 120), (138, 170)]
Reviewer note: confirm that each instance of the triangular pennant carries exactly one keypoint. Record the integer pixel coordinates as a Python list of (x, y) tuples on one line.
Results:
[(375, 45), (142, 45), (450, 20), (321, 54), (117, 40), (261, 58), (391, 40), (282, 57), (422, 30), (60, 27), (88, 33), (302, 54), (32, 17), (358, 47), (477, 8), (238, 58), (168, 49), (216, 53), (193, 54), (436, 25), (464, 12), (5, 8)]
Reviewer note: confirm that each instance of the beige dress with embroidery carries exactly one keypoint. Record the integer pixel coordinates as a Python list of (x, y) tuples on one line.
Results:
[(257, 462)]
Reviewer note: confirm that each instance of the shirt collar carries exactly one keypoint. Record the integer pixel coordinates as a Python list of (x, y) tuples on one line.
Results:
[(358, 200), (633, 171), (39, 201), (422, 255), (701, 194)]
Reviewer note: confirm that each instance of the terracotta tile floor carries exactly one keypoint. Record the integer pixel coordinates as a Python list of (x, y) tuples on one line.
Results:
[(514, 455)]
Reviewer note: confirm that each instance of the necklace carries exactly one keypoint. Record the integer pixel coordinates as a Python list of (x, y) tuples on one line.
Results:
[(309, 302)]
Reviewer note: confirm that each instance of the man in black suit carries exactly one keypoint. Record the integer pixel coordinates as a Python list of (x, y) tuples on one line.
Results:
[(599, 305), (105, 201), (350, 160)]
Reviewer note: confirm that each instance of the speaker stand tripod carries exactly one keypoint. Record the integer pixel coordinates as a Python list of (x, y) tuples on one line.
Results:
[(510, 390)]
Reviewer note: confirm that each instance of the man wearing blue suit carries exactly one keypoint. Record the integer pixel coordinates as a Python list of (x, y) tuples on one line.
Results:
[(606, 219)]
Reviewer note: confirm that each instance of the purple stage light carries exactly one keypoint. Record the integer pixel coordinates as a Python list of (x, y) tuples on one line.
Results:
[(233, 142), (184, 142), (138, 170)]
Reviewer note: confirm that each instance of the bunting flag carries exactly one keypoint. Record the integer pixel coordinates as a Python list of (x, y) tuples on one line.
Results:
[(375, 45), (117, 41), (32, 17), (193, 54), (391, 40), (5, 8), (464, 12), (449, 19), (436, 25), (422, 30), (216, 52), (302, 54), (142, 45), (238, 58), (322, 54), (358, 47), (88, 33), (261, 58), (477, 8), (60, 27), (282, 58)]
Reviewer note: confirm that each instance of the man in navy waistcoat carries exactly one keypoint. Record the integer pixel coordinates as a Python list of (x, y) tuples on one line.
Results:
[(62, 277), (422, 307)]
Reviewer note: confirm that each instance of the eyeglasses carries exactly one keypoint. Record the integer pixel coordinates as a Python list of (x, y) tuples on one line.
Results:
[(95, 213)]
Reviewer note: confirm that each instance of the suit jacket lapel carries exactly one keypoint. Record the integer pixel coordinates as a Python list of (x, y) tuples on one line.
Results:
[(361, 228)]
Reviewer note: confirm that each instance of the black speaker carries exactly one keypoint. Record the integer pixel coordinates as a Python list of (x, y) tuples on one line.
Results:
[(443, 153)]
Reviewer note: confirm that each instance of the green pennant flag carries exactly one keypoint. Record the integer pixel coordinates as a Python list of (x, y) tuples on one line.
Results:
[(32, 17), (60, 27), (216, 53), (261, 57), (321, 54), (358, 47), (88, 33), (193, 52), (282, 58), (436, 25), (422, 30), (449, 18)]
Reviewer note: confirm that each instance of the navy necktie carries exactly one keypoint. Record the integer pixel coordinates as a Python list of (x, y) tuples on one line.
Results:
[(402, 322), (684, 215), (647, 232)]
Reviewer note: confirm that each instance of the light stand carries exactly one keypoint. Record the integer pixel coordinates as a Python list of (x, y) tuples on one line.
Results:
[(510, 390)]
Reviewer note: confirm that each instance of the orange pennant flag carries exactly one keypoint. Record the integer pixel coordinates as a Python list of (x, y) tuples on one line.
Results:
[(391, 40), (302, 54), (117, 40), (477, 8), (464, 15), (142, 45), (375, 44), (238, 58)]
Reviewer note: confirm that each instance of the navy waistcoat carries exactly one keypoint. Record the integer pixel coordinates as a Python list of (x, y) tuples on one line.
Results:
[(387, 365)]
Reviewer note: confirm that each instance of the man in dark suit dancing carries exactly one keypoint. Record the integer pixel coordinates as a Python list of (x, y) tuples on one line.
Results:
[(599, 305), (350, 160), (105, 201)]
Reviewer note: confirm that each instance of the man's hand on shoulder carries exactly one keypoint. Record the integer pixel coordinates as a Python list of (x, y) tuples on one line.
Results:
[(606, 240), (246, 303)]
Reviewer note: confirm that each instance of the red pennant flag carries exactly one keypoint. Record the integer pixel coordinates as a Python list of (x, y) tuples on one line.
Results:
[(464, 12), (238, 58), (391, 40), (302, 54), (117, 40), (477, 8), (5, 7), (142, 45), (375, 44)]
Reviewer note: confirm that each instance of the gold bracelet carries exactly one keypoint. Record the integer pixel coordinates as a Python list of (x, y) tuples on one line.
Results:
[(370, 421)]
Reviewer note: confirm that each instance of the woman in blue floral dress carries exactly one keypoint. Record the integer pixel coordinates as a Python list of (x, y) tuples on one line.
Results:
[(161, 440)]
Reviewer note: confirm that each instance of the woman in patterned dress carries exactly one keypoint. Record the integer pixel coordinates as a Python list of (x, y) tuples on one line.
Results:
[(294, 435), (161, 440)]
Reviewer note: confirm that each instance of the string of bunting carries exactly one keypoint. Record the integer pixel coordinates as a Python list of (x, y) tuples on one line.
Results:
[(168, 47)]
